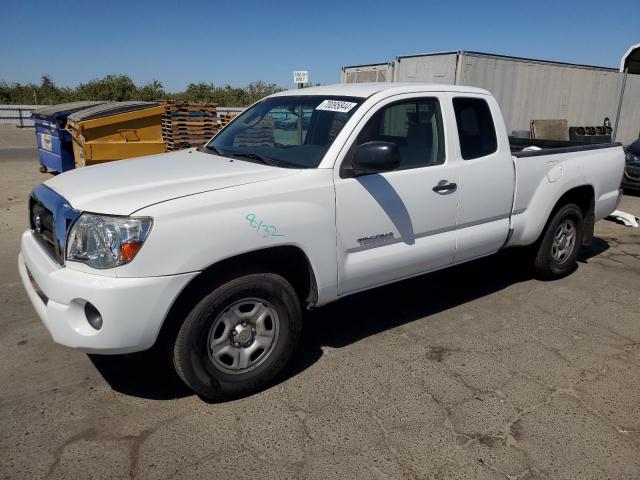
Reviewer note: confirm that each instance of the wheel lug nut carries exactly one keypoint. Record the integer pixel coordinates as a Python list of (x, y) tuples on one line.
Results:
[(244, 324), (233, 333)]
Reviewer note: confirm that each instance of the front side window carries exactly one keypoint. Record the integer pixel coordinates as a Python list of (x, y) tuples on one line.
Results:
[(286, 131), (476, 131), (415, 126)]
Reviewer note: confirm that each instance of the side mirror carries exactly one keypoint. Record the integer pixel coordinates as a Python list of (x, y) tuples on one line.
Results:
[(375, 157)]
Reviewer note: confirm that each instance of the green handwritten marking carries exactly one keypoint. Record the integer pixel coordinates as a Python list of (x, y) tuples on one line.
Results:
[(267, 230)]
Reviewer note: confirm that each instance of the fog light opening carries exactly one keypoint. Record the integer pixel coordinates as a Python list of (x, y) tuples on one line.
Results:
[(93, 316)]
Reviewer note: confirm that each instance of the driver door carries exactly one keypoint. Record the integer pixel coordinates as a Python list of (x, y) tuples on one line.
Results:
[(400, 223)]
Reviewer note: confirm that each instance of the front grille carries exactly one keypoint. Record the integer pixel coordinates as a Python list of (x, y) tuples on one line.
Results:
[(633, 171), (50, 218), (44, 229)]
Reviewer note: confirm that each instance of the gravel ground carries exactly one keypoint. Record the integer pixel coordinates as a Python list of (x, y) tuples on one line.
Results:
[(12, 137), (476, 372)]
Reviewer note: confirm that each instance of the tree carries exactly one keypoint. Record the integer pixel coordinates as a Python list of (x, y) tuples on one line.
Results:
[(121, 88), (199, 92), (259, 89), (153, 90), (49, 93), (5, 92), (117, 88)]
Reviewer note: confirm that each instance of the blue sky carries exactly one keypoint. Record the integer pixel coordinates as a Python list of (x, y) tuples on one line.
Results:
[(236, 42)]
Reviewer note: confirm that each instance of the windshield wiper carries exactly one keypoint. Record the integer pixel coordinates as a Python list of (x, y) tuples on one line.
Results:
[(254, 156), (215, 149)]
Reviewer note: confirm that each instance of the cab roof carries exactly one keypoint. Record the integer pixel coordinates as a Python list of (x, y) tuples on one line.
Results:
[(365, 90)]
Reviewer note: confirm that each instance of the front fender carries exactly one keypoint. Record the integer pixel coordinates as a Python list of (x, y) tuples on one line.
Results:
[(195, 232)]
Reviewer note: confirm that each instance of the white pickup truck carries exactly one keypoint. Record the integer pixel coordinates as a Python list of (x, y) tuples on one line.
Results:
[(308, 196)]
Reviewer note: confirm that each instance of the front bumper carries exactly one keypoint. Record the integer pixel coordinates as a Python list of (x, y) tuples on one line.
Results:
[(132, 309)]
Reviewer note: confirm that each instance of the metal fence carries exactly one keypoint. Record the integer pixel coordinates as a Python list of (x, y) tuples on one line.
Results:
[(230, 109), (19, 115)]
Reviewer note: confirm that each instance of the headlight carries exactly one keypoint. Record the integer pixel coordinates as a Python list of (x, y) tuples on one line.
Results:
[(103, 241)]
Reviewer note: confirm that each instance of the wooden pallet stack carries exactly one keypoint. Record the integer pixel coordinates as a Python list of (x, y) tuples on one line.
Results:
[(188, 124), (225, 118)]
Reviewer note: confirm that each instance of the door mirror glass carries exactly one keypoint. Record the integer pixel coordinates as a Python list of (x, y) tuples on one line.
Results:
[(375, 157)]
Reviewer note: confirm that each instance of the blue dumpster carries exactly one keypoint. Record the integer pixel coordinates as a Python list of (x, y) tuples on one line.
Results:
[(55, 145)]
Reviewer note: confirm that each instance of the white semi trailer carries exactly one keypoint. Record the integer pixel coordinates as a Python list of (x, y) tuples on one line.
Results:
[(526, 89)]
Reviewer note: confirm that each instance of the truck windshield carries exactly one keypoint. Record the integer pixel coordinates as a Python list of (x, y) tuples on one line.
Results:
[(288, 131)]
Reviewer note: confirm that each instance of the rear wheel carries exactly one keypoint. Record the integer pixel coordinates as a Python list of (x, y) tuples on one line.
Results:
[(239, 337), (558, 249)]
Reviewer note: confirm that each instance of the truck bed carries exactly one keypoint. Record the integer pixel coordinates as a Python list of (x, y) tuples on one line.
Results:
[(550, 147), (561, 167)]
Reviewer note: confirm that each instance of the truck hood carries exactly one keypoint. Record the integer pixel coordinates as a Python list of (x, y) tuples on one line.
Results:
[(122, 187)]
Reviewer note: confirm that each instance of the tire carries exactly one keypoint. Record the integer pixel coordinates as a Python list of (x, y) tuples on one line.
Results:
[(558, 248), (220, 357)]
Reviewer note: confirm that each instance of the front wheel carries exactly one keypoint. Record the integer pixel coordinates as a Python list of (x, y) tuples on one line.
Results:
[(239, 337), (558, 249)]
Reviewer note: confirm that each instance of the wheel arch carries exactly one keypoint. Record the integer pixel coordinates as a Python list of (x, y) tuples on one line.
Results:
[(584, 197), (289, 261), (528, 226)]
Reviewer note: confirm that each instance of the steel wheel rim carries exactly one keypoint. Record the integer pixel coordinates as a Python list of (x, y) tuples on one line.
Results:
[(564, 241), (243, 336)]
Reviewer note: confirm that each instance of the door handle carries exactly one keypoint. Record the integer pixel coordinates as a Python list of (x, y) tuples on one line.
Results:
[(444, 186)]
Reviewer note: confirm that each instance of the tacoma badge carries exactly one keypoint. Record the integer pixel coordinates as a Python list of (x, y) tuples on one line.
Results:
[(375, 239)]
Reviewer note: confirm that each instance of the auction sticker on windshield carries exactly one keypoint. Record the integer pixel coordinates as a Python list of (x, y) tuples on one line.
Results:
[(336, 106)]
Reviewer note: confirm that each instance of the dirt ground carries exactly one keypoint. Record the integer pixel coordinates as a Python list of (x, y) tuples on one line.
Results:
[(477, 372)]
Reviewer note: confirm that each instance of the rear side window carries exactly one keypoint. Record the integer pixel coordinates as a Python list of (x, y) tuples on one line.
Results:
[(475, 127)]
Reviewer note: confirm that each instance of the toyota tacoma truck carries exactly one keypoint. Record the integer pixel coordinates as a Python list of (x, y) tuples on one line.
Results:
[(306, 197)]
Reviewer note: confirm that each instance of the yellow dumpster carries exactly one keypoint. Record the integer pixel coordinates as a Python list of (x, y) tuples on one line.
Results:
[(116, 130)]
